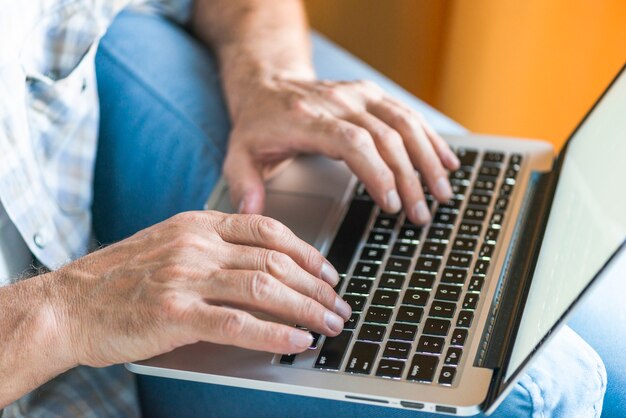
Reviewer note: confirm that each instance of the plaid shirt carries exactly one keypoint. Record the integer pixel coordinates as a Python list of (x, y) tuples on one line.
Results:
[(48, 136)]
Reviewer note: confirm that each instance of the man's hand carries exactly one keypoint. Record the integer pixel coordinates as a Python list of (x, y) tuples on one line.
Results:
[(381, 140), (189, 279)]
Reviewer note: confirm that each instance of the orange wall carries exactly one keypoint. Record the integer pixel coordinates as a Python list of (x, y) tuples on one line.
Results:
[(528, 68)]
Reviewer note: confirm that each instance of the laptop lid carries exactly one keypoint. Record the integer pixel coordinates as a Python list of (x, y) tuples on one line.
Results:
[(586, 226)]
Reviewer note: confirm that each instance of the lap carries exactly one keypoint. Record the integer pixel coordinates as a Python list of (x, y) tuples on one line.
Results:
[(163, 135)]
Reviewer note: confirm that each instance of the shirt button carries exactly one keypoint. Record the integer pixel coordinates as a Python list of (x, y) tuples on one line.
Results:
[(40, 240)]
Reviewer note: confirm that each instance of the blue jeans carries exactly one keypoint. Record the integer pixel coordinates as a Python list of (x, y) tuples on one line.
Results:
[(163, 135)]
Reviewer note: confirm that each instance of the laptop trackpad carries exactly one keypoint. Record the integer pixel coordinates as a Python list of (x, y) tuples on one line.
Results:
[(304, 214)]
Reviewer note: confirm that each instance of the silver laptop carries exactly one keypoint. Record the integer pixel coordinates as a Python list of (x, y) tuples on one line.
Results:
[(446, 316)]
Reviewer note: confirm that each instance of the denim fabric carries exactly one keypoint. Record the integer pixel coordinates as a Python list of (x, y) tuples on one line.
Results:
[(163, 135)]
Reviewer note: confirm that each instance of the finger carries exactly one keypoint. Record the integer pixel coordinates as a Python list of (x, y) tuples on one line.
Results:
[(418, 145), (261, 292), (391, 148), (344, 140), (245, 181), (264, 232), (447, 156), (283, 268), (228, 326)]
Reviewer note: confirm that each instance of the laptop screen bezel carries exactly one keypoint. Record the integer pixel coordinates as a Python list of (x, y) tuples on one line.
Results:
[(501, 384)]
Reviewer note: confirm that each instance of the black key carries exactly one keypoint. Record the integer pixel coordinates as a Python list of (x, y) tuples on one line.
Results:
[(409, 233), (472, 214), (470, 229), (356, 302), (438, 327), (475, 284), (486, 251), (458, 189), (403, 332), (492, 235), (485, 184), (350, 232), (482, 200), (410, 314), (361, 360), (433, 248), (493, 157), (429, 344), (378, 315), (465, 319), (428, 264), (423, 368), (459, 260), (438, 233), (351, 323), (371, 332), (453, 356), (489, 171), (391, 281), (385, 298), (390, 368), (467, 157), (441, 309), (452, 205), (333, 350), (422, 280), (316, 339), (516, 159), (506, 190), (385, 222), (501, 204), (461, 175), (481, 267), (470, 301), (287, 359), (397, 349), (339, 284), (397, 265), (510, 175), (449, 293), (447, 375), (465, 244), (379, 238), (458, 337), (359, 286), (374, 254), (402, 249), (454, 276), (414, 297), (444, 218), (496, 219), (365, 270)]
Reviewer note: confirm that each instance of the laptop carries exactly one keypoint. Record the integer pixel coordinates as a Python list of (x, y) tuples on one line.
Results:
[(447, 316)]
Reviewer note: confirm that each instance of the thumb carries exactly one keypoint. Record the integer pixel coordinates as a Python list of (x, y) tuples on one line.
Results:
[(247, 191)]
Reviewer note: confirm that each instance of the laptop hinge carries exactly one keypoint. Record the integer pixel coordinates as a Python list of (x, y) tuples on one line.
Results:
[(517, 273)]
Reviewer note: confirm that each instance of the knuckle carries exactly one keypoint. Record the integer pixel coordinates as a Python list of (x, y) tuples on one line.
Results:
[(233, 324), (170, 304), (324, 294), (309, 309), (186, 239), (356, 138), (262, 287), (278, 263), (270, 230)]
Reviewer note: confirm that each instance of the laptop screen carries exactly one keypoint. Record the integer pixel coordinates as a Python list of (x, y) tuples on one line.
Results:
[(587, 222)]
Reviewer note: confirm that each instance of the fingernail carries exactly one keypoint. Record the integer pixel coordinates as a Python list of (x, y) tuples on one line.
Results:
[(393, 201), (421, 212), (301, 339), (342, 308), (454, 160), (443, 188), (329, 274), (333, 321)]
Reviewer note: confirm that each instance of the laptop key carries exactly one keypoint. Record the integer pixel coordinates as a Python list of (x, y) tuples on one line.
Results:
[(356, 302), (506, 190), (452, 205), (486, 251), (470, 301), (489, 171), (516, 159), (459, 260), (433, 248), (481, 200), (458, 337), (390, 368), (439, 233), (429, 344), (484, 184), (359, 286), (439, 327), (458, 189), (493, 157), (402, 249), (444, 218), (453, 356), (391, 281), (378, 315), (409, 233), (464, 244), (365, 270), (403, 332), (410, 314), (373, 254), (362, 358), (316, 340), (370, 332), (448, 293), (465, 319), (496, 219), (351, 323), (501, 204), (481, 267), (379, 238), (428, 264), (415, 297), (467, 157), (492, 235), (333, 351), (397, 265), (441, 309), (469, 229), (472, 214), (423, 368), (422, 280), (461, 175), (385, 222), (476, 284), (385, 298), (287, 359), (447, 375), (453, 276), (397, 349)]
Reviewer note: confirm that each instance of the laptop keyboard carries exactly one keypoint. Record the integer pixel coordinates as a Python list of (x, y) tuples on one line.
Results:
[(414, 289)]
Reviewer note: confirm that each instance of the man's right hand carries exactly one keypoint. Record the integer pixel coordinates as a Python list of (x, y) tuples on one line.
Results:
[(193, 278)]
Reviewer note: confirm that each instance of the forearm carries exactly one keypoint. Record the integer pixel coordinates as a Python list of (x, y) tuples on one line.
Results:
[(31, 350), (255, 40)]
